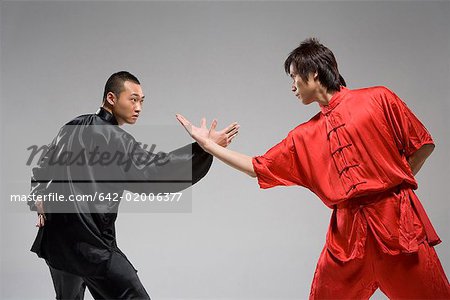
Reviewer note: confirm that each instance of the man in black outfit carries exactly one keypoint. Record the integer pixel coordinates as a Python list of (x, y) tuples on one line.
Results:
[(93, 157)]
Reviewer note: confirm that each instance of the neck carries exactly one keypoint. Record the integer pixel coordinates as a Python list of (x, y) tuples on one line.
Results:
[(108, 109), (324, 97)]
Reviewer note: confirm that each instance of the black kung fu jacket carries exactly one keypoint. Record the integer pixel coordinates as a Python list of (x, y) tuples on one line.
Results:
[(92, 156)]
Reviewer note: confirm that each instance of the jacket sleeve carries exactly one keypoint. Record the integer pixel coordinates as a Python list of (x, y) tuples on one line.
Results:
[(41, 175), (279, 166), (145, 171), (408, 132)]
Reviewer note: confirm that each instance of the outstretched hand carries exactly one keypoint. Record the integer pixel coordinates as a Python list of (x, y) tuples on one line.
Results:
[(224, 136), (203, 134)]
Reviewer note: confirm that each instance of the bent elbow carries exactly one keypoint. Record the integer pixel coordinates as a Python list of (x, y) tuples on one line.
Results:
[(429, 148), (251, 174)]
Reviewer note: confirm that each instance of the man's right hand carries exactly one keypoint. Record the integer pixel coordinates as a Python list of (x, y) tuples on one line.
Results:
[(224, 136), (203, 134), (41, 215)]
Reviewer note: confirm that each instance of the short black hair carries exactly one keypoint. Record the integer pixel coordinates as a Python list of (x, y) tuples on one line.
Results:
[(310, 57), (115, 82)]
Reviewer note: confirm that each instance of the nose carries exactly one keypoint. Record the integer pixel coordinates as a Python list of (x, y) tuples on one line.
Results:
[(138, 107), (293, 87)]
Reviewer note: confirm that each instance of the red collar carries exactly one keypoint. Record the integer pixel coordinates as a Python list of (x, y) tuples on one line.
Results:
[(334, 101)]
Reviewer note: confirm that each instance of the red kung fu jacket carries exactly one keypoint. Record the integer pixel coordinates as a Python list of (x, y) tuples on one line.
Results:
[(353, 156)]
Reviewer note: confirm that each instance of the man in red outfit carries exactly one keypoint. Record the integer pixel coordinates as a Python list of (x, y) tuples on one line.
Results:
[(359, 155)]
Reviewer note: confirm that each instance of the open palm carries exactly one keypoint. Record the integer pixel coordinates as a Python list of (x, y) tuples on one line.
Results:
[(202, 134)]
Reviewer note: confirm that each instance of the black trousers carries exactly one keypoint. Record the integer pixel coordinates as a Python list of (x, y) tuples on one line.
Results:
[(120, 282)]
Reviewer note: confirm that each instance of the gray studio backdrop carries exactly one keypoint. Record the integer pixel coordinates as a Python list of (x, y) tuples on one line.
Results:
[(219, 60)]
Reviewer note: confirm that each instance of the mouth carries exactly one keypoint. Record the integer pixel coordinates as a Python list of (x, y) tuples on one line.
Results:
[(135, 116)]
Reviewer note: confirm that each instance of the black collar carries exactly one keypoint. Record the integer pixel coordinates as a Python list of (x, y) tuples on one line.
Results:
[(106, 116)]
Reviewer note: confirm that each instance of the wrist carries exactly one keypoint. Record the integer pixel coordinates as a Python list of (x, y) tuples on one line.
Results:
[(207, 145)]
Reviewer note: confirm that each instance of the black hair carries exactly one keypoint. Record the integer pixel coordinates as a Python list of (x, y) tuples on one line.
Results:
[(310, 57), (115, 82)]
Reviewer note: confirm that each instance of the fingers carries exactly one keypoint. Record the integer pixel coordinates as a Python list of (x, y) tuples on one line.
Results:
[(203, 123), (231, 127), (231, 137), (213, 126), (40, 221), (222, 137), (185, 122), (233, 131)]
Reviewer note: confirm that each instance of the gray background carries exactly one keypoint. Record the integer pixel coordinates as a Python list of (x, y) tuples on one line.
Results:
[(213, 59)]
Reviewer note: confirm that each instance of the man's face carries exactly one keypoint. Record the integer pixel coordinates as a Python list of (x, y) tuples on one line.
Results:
[(128, 105), (304, 91)]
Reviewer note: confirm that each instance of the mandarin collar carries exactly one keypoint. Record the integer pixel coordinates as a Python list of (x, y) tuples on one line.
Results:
[(334, 101), (106, 116)]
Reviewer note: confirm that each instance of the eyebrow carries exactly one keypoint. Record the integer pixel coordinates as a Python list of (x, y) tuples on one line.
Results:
[(134, 94)]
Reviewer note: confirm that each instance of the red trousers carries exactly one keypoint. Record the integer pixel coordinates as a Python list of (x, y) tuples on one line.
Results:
[(417, 275)]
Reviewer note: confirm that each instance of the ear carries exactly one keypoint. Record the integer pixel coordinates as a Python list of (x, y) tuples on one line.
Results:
[(316, 76), (111, 98)]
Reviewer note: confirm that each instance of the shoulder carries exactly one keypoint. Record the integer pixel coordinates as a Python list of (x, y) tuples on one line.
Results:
[(373, 92), (97, 128), (311, 123), (376, 96), (79, 120)]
